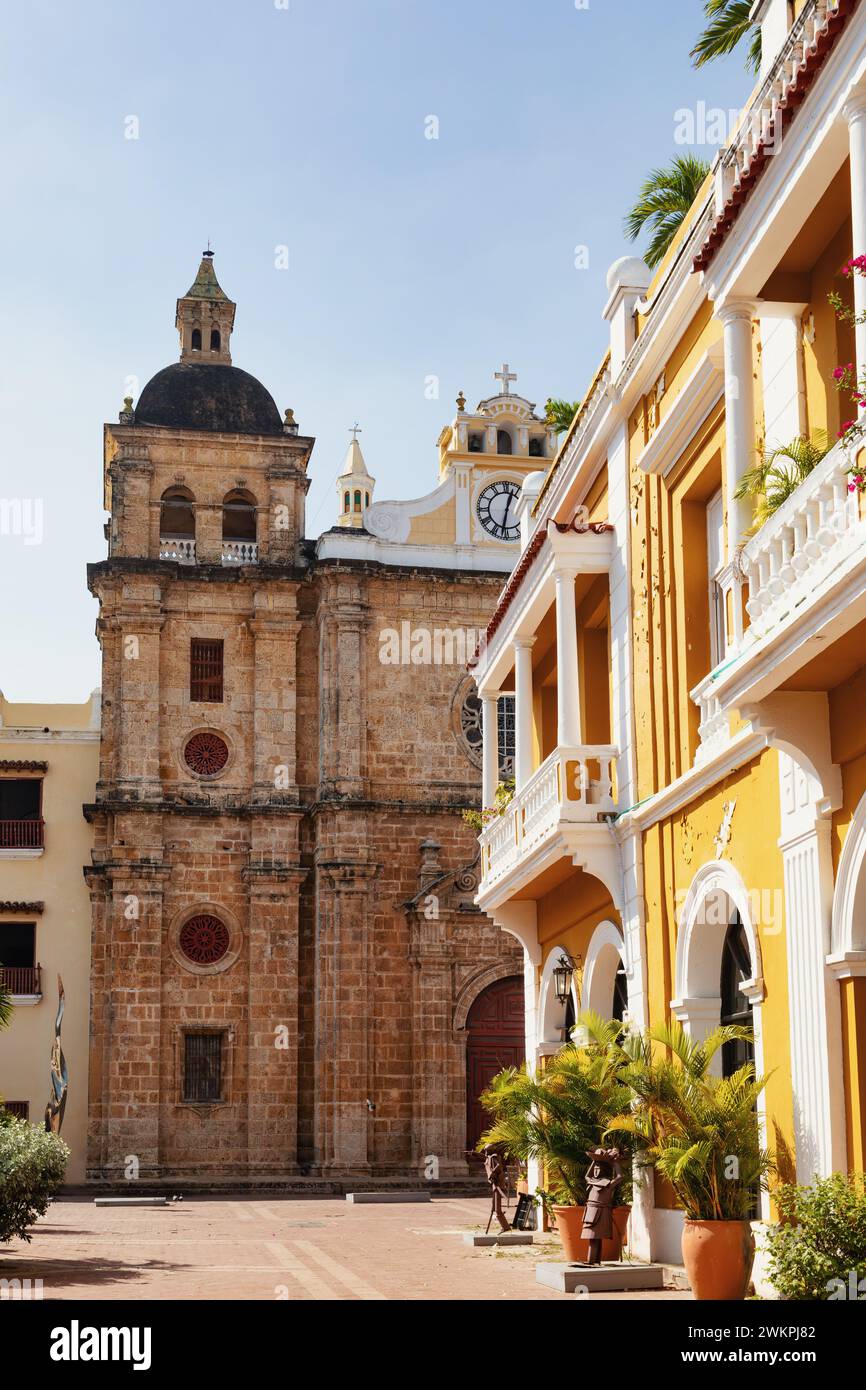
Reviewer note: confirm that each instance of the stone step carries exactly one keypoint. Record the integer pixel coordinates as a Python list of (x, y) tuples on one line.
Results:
[(603, 1278), (479, 1240), (374, 1198)]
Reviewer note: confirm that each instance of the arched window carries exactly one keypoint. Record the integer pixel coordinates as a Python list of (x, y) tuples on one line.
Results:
[(347, 501), (195, 343), (239, 516), (214, 340), (357, 501), (366, 499), (176, 514), (503, 442), (736, 1007)]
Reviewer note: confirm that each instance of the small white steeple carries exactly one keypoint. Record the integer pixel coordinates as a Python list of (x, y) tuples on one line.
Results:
[(354, 485)]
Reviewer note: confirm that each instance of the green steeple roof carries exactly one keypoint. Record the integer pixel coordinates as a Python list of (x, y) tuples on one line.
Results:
[(206, 285)]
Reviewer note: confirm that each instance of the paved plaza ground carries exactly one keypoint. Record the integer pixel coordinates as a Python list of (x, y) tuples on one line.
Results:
[(277, 1248)]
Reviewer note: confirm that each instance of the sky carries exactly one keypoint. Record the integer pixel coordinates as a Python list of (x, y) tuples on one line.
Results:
[(298, 131)]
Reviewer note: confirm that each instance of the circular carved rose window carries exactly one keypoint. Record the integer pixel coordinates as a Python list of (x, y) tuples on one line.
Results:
[(206, 754), (204, 939)]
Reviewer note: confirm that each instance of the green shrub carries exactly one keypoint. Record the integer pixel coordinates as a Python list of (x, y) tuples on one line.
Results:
[(820, 1242), (32, 1165)]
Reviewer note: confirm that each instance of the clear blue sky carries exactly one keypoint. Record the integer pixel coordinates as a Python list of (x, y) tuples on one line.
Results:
[(261, 126)]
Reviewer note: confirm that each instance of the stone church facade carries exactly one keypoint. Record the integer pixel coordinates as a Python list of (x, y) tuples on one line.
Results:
[(285, 952)]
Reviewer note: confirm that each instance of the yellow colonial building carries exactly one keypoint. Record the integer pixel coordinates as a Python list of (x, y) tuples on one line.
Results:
[(689, 820), (49, 756)]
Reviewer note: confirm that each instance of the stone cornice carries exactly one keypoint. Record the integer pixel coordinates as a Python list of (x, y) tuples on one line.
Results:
[(24, 764), (36, 909)]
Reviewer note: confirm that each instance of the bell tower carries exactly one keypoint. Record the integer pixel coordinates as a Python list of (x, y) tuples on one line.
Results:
[(205, 318)]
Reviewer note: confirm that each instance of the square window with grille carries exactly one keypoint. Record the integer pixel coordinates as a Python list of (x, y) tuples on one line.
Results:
[(203, 1067), (206, 669), (19, 1109)]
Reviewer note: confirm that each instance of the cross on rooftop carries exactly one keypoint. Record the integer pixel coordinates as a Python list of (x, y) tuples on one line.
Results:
[(505, 376), (355, 430)]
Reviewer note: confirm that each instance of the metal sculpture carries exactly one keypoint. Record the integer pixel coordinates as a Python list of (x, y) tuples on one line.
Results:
[(603, 1177), (495, 1168), (56, 1107)]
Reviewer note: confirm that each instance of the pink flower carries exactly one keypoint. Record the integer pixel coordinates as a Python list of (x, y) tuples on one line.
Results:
[(848, 425)]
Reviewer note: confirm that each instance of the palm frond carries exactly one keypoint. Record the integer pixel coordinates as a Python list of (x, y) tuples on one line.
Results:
[(729, 23), (664, 199)]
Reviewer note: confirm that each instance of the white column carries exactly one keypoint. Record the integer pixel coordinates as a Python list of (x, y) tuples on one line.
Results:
[(490, 764), (740, 432), (568, 731), (523, 710), (813, 995), (782, 371), (855, 115)]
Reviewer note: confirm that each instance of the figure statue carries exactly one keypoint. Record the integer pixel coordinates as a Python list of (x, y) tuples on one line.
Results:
[(56, 1106), (603, 1177), (497, 1177)]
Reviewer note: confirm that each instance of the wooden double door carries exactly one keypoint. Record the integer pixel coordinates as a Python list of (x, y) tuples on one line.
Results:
[(496, 1039)]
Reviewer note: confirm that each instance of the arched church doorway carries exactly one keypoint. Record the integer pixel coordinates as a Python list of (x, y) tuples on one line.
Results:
[(495, 1039)]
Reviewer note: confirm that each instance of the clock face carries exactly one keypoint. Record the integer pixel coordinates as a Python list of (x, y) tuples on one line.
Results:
[(497, 510)]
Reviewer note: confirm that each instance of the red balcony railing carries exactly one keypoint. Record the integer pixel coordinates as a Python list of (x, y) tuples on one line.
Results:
[(22, 834), (22, 979)]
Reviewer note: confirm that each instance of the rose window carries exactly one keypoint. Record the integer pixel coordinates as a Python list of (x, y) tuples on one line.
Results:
[(206, 754), (204, 939)]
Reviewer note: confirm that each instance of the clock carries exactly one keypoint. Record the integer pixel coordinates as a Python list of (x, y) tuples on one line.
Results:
[(497, 510)]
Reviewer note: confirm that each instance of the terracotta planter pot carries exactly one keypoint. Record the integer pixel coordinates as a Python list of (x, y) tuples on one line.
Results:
[(612, 1249), (569, 1223), (718, 1256)]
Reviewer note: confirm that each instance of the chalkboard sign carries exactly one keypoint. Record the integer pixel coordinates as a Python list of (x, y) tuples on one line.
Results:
[(524, 1216)]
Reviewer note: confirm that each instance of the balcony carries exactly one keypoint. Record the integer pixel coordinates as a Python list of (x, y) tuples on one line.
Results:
[(240, 553), (22, 834), (181, 549), (797, 552), (23, 981), (573, 787), (806, 572)]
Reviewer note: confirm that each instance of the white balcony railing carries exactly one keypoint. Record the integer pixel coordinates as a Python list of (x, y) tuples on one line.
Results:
[(240, 553), (181, 551), (796, 551), (573, 785), (808, 547), (772, 98)]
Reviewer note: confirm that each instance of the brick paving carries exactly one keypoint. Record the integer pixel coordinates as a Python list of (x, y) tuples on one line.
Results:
[(276, 1248)]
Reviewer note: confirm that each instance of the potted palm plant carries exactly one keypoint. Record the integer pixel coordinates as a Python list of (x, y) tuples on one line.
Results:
[(558, 1116), (700, 1131)]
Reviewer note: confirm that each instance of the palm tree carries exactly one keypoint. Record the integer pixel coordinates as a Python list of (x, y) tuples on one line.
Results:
[(560, 414), (5, 1004), (780, 472), (557, 1116), (699, 1130), (728, 25), (664, 200)]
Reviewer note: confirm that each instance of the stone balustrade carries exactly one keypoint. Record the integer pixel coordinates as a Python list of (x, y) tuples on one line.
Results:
[(573, 785)]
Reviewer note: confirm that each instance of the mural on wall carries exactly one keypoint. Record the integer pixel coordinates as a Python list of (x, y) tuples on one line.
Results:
[(56, 1106)]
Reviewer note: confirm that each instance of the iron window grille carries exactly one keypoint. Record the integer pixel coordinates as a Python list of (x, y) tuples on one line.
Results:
[(206, 670)]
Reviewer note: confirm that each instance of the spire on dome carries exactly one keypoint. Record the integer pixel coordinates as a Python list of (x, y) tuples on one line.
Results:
[(354, 485), (205, 317)]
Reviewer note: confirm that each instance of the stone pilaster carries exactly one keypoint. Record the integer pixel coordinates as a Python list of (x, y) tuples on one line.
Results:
[(343, 626), (343, 1021), (126, 1025), (275, 630), (272, 1101)]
